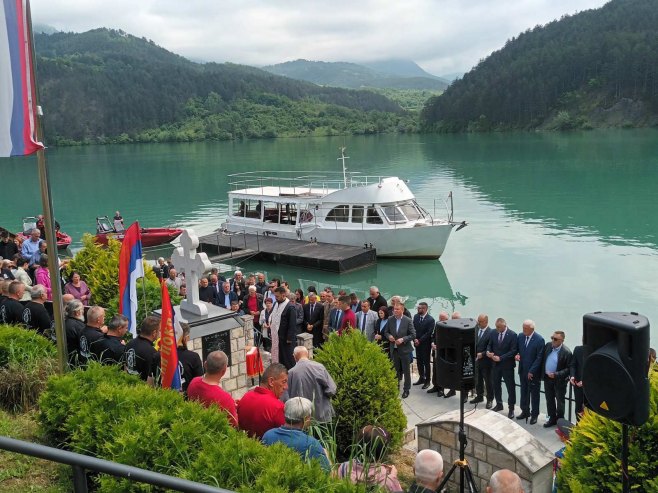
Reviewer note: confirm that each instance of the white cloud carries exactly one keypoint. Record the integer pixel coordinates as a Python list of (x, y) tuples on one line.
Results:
[(441, 35)]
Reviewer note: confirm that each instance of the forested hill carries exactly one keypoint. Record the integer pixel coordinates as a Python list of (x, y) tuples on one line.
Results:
[(597, 68), (393, 74), (106, 86)]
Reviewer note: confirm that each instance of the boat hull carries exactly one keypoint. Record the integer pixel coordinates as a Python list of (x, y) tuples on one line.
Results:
[(419, 242), (150, 236)]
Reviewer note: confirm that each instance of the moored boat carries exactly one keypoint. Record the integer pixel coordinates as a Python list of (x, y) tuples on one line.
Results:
[(31, 222), (150, 236), (357, 210)]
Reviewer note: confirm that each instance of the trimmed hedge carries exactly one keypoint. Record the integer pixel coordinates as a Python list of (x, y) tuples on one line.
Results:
[(592, 459), (98, 265), (27, 359), (367, 389), (106, 413)]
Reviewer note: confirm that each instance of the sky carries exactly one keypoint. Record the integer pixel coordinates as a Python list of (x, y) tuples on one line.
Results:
[(442, 36)]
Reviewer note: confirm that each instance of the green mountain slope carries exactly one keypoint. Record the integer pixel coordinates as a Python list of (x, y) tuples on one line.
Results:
[(390, 75), (105, 85), (597, 68), (401, 68)]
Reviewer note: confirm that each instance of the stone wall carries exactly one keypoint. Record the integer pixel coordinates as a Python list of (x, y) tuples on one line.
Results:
[(493, 442), (235, 380)]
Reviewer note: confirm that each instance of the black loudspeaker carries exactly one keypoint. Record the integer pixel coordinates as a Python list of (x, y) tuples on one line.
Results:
[(455, 353), (615, 373)]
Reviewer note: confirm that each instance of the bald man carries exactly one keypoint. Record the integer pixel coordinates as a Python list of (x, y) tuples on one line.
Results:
[(311, 380), (505, 481), (428, 472)]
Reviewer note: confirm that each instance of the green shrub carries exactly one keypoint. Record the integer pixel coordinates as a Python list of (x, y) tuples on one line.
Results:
[(592, 461), (26, 361), (367, 389), (106, 413), (99, 267)]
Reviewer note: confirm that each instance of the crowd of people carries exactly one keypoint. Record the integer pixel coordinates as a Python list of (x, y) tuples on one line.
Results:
[(280, 314), (296, 391)]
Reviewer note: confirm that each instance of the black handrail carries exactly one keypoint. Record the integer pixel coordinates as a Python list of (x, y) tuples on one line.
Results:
[(81, 463)]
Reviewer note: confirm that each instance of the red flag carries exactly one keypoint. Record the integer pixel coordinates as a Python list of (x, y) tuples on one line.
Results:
[(168, 353)]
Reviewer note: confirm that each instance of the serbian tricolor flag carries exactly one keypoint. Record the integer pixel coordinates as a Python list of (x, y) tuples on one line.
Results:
[(170, 372), (131, 267), (18, 102)]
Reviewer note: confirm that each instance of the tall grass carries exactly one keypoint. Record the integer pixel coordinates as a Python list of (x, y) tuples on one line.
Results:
[(26, 361)]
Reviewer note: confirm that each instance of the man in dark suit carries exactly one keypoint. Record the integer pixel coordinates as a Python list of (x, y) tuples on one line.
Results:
[(367, 321), (287, 330), (483, 364), (555, 370), (424, 326), (530, 354), (576, 379), (376, 299), (502, 350), (226, 296), (400, 333), (313, 319), (206, 292)]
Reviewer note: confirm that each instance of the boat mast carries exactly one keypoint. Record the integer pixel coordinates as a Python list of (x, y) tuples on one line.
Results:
[(342, 158)]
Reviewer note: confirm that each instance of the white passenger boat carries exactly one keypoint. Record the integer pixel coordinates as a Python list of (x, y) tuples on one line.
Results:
[(352, 209)]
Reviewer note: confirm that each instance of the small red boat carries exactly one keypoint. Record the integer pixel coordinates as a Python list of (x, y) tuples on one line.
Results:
[(30, 222), (150, 236)]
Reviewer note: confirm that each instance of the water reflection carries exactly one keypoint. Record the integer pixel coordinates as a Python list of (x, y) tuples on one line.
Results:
[(413, 280), (597, 183)]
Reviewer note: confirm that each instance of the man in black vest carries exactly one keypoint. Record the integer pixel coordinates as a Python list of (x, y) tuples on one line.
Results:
[(35, 315), (141, 357), (92, 333), (11, 309), (110, 349)]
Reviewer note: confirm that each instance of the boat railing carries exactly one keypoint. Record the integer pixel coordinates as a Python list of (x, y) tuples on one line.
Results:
[(312, 183)]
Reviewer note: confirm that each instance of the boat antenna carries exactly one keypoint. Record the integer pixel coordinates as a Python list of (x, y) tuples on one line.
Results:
[(342, 158)]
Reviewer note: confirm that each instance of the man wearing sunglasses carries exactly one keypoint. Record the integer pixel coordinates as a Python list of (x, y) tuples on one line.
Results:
[(557, 357)]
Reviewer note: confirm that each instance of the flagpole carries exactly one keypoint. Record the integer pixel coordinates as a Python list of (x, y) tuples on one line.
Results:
[(49, 223), (144, 294)]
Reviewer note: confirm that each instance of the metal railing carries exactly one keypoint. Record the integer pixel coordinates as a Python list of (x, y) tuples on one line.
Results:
[(309, 183), (80, 464)]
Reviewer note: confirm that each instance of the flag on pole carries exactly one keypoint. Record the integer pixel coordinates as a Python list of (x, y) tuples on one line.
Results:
[(170, 375), (131, 267), (18, 102)]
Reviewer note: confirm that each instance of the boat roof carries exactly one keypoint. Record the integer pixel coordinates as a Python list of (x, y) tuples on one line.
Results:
[(354, 189)]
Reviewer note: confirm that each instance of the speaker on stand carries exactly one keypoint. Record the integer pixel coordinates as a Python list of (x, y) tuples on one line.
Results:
[(615, 371), (455, 353)]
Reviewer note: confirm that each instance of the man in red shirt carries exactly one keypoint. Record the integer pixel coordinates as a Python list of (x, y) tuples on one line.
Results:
[(348, 318), (207, 389), (261, 409)]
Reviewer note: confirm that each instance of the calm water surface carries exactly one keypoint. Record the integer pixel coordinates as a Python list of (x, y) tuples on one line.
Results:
[(559, 224)]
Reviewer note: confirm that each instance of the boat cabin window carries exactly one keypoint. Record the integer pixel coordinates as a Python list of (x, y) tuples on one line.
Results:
[(288, 214), (373, 216), (247, 208), (411, 211), (393, 214), (357, 213), (271, 212), (340, 214)]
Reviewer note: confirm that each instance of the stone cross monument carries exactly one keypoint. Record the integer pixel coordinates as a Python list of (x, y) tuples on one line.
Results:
[(194, 264)]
